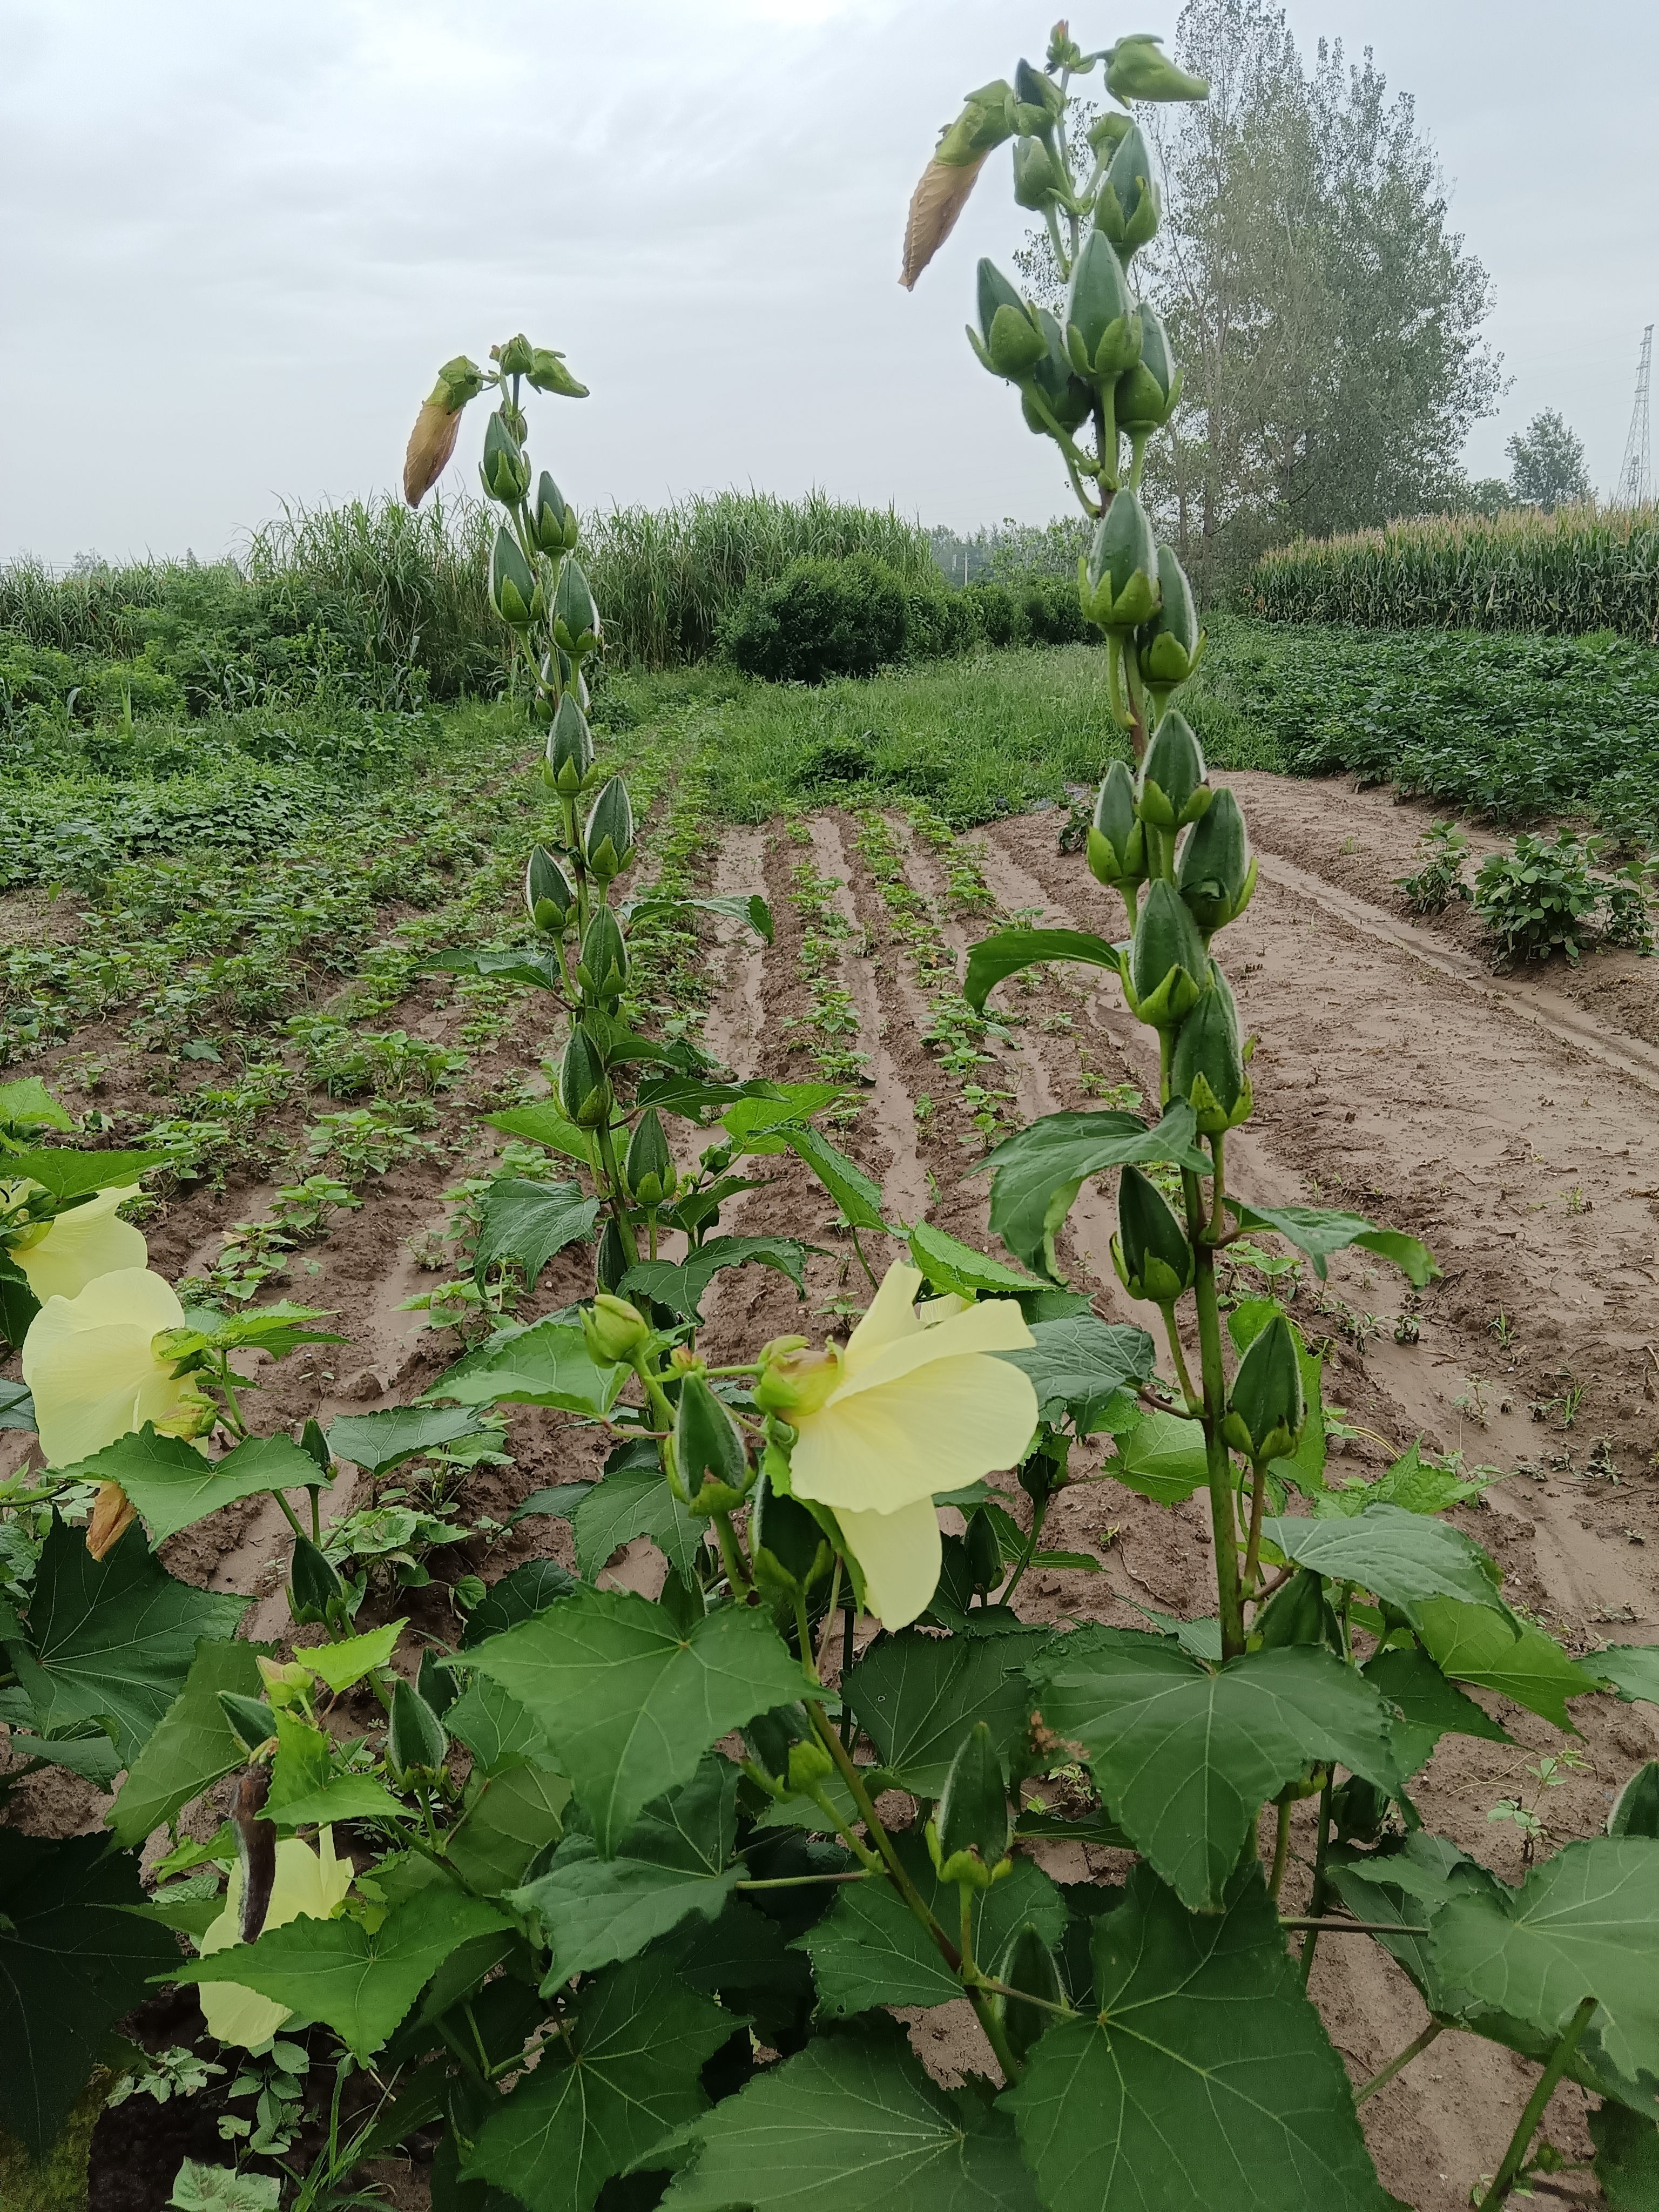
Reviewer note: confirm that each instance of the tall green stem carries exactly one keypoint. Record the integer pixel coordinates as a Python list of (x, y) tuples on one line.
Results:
[(619, 1194), (1316, 1903), (1521, 2142), (1223, 1525)]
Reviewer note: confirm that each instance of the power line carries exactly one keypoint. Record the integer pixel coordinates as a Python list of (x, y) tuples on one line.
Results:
[(1635, 470)]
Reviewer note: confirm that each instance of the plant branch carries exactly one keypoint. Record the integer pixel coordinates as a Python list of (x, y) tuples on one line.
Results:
[(1527, 2127), (1415, 2049)]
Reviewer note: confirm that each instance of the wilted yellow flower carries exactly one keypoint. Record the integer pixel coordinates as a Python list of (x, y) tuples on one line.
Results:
[(65, 1253), (431, 442), (308, 1886), (91, 1364), (113, 1514), (921, 1406)]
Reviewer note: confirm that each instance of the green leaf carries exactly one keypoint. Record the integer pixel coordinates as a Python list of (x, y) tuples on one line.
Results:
[(675, 1860), (628, 1701), (736, 906), (88, 1752), (1431, 1707), (1409, 1484), (1627, 2158), (1184, 1755), (853, 2121), (767, 1107), (679, 1285), (68, 1174), (1038, 1173), (529, 1222), (278, 1329), (560, 1502), (336, 1971), (1208, 2078), (547, 1365), (518, 1596), (73, 1960), (1080, 1363), (347, 1797), (222, 2189), (1496, 1652), (1320, 1230), (636, 1501), (859, 1199), (174, 1486), (495, 1728), (954, 1269), (994, 959), (16, 1405), (511, 1817), (379, 1442), (623, 2078), (112, 1640), (1632, 1669), (546, 1123), (918, 1698), (1584, 1923), (28, 1105), (1163, 1457), (342, 1664), (193, 1744), (742, 1958), (539, 970), (1401, 1557)]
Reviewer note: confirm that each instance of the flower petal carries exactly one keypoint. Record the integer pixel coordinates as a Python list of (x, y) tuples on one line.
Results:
[(891, 1318), (900, 1554), (79, 1246), (991, 1325), (880, 1448), (307, 1885), (132, 1296)]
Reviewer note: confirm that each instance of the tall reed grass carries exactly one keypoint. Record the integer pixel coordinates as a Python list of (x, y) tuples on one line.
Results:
[(1580, 569)]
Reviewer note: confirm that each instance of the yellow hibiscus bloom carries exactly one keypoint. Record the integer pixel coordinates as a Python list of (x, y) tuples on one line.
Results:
[(918, 1405), (74, 1248), (308, 1886), (91, 1364)]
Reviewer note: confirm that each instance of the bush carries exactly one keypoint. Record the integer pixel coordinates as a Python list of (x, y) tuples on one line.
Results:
[(819, 619), (1544, 895), (992, 610), (1053, 614)]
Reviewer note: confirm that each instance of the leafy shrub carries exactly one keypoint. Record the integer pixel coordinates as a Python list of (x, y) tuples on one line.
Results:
[(819, 619), (1052, 613), (995, 614), (1544, 895), (1437, 878)]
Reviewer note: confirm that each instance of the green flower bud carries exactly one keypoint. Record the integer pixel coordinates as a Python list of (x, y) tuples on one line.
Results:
[(968, 1837), (504, 470), (1217, 871), (547, 892), (512, 589), (770, 1737), (1107, 132), (602, 965), (1027, 1964), (576, 625), (1036, 179), (810, 1763), (709, 1446), (513, 358), (608, 839), (1067, 396), (1207, 1068), (613, 1262), (1129, 205), (1167, 964), (1172, 791), (986, 121), (986, 1571), (569, 749), (436, 1684), (458, 381), (1147, 396), (1171, 645), (1038, 100), (584, 1087), (1135, 70), (315, 1591), (1103, 323), (648, 1171), (552, 523), (1266, 1409), (252, 1719), (1117, 840), (790, 1551), (548, 373), (1011, 344), (613, 1330), (1118, 583), (1150, 1252), (416, 1741)]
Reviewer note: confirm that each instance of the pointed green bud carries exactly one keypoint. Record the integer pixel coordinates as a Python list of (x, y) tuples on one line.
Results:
[(513, 591), (608, 838), (1167, 964), (1107, 132), (1118, 584), (986, 1569), (583, 1086), (1207, 1068), (648, 1171), (1637, 1811), (576, 625), (1128, 208), (1117, 840), (1067, 396), (504, 470), (1103, 323), (439, 1686), (1036, 179), (1027, 1964), (513, 358), (1039, 102), (553, 524), (314, 1443), (770, 1734), (613, 1262), (548, 373), (315, 1591), (968, 1837), (1217, 871), (1171, 645), (251, 1718), (986, 121), (1148, 394), (547, 895), (1150, 1252), (709, 1446), (1136, 70), (602, 965), (789, 1549), (1266, 1409), (1008, 341), (416, 1741), (569, 749), (1172, 791), (614, 1329), (810, 1763)]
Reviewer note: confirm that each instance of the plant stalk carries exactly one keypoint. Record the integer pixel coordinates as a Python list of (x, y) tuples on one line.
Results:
[(1415, 2049), (1527, 2127), (1316, 1902)]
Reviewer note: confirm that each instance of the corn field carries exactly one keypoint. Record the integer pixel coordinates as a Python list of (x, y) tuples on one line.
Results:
[(1581, 568)]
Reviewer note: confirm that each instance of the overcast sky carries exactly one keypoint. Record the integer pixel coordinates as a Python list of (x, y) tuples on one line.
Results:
[(236, 242)]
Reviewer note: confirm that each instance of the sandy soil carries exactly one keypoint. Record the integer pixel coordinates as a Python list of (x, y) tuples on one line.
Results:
[(1510, 1120)]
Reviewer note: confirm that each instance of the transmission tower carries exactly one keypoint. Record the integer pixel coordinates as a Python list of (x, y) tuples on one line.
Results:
[(1635, 470)]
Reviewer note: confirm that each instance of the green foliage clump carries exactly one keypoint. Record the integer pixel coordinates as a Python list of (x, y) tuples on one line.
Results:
[(820, 618), (1547, 895), (1437, 878)]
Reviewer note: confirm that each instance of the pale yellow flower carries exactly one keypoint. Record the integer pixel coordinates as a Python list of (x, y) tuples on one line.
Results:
[(920, 1406), (72, 1250), (91, 1365), (308, 1886)]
